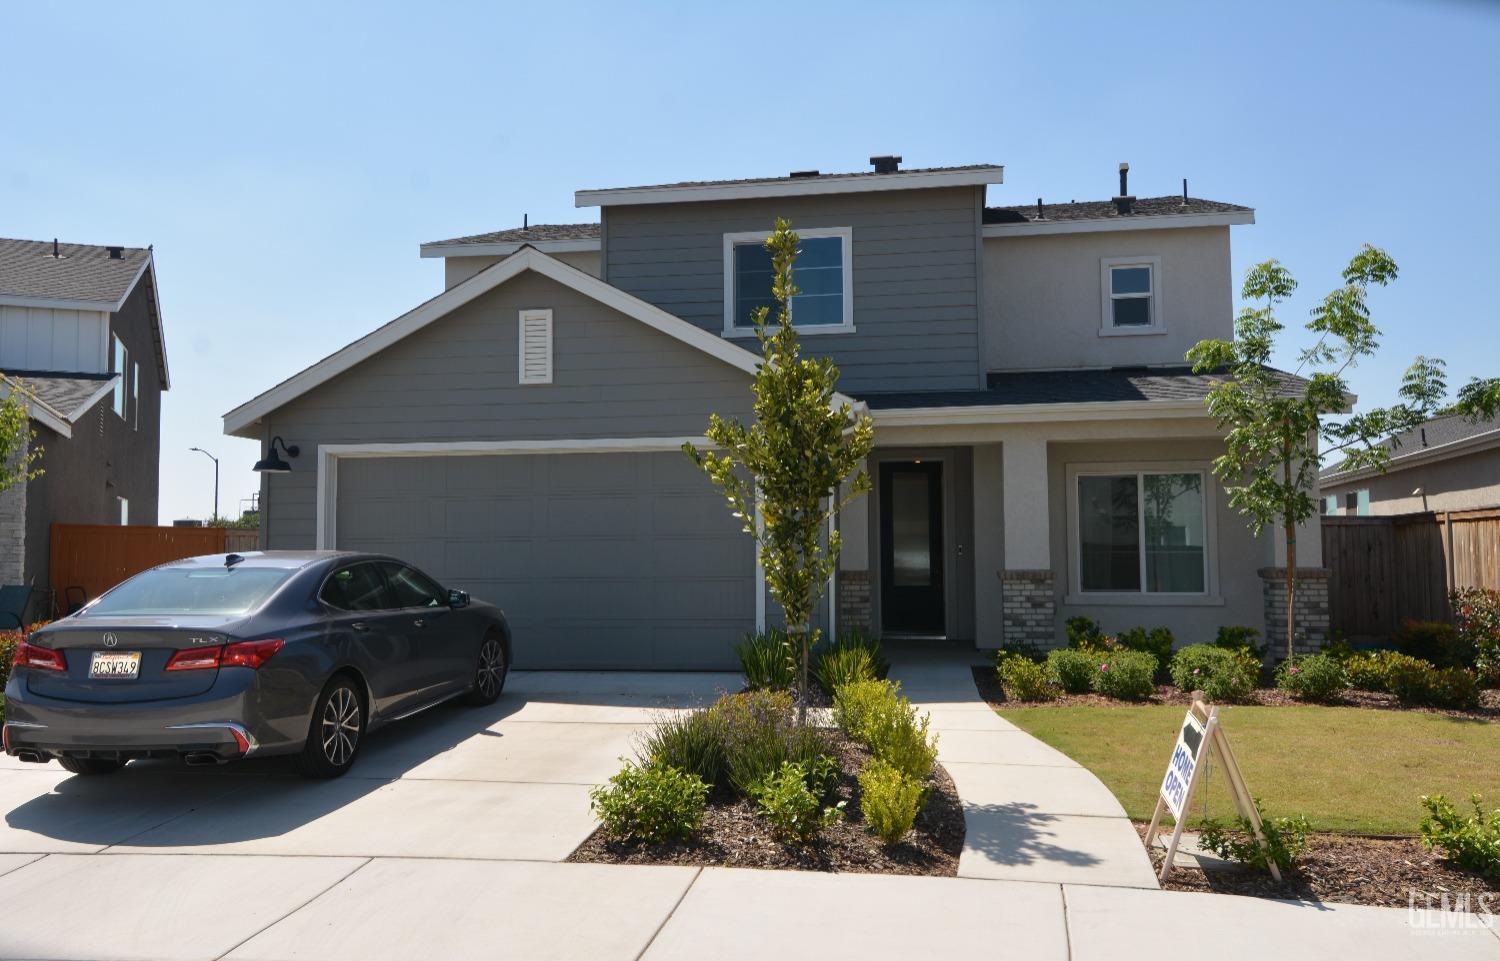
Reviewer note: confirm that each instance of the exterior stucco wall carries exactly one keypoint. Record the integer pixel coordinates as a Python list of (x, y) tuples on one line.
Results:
[(1044, 302), (456, 270), (457, 380), (1235, 555), (1456, 484)]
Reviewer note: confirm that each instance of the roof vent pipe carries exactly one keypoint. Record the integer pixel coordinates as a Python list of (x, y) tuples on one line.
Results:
[(1184, 191), (887, 164), (802, 174), (56, 254), (1039, 214), (1124, 202)]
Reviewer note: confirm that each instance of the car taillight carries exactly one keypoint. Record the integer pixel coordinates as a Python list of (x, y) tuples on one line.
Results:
[(39, 658), (251, 654)]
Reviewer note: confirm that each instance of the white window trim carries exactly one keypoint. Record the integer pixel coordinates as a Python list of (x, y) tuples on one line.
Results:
[(1107, 326), (1208, 596), (525, 317), (135, 396), (121, 355), (759, 236)]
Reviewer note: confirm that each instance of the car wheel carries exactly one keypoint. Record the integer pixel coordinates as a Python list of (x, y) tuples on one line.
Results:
[(338, 723), (489, 674), (90, 765)]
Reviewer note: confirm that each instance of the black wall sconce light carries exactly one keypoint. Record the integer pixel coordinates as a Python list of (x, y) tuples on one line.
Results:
[(272, 463)]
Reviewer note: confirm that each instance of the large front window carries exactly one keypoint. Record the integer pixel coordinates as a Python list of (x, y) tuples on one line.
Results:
[(821, 274), (1142, 532)]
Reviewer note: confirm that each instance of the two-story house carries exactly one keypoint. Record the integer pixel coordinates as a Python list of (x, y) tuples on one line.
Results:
[(1042, 450), (81, 334)]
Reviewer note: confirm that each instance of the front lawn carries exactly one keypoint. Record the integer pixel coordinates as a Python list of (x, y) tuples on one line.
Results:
[(1347, 769)]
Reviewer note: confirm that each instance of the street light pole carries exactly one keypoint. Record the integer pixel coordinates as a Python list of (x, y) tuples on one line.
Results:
[(216, 477)]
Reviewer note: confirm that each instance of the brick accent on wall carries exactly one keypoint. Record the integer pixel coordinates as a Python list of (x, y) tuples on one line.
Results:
[(13, 534), (1029, 607), (854, 600), (1311, 613)]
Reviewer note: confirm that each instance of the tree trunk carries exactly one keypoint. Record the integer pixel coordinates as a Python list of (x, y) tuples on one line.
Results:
[(1291, 589), (802, 635)]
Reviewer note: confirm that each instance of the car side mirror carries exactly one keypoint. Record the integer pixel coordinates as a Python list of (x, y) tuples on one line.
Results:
[(458, 598)]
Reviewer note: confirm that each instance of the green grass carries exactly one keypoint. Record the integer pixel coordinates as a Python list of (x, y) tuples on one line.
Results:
[(1348, 769)]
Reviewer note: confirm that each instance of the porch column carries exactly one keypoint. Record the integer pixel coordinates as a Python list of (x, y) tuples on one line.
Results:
[(1027, 584)]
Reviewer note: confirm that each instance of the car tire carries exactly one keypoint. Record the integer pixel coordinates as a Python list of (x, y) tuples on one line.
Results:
[(490, 671), (90, 765), (335, 733)]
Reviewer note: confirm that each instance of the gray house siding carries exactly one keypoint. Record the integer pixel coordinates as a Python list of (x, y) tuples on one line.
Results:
[(916, 276), (457, 380)]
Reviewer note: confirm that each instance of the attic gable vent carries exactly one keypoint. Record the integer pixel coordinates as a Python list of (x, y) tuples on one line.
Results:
[(536, 346)]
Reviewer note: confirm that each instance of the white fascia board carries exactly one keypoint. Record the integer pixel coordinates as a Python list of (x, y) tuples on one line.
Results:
[(239, 420), (40, 410), (1035, 228), (1423, 455), (506, 249), (811, 186), (1038, 413)]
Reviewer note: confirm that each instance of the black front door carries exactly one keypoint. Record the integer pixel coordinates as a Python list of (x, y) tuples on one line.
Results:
[(911, 548)]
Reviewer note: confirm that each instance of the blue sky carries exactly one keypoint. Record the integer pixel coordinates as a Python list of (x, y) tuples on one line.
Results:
[(287, 159)]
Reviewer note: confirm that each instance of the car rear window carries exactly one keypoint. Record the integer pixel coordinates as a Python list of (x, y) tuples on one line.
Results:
[(187, 590)]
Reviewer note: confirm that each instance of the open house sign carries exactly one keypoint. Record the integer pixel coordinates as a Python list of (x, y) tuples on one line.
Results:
[(1174, 787)]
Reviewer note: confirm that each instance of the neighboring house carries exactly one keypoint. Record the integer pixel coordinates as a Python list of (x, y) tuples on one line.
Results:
[(1041, 449), (80, 328), (1446, 464)]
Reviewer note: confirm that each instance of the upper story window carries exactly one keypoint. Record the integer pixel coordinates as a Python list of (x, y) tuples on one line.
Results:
[(135, 396), (122, 386), (1132, 299), (823, 275)]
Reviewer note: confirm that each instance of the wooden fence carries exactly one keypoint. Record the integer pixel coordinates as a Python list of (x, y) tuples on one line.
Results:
[(96, 557), (1385, 570)]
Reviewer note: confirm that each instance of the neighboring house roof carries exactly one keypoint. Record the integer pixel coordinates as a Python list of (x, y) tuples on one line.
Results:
[(1087, 216), (1440, 438), (803, 183), (58, 400), (240, 420), (549, 238), (48, 274)]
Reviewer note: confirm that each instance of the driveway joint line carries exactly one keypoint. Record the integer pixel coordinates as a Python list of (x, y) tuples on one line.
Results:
[(25, 864), (1067, 934), (182, 814), (670, 914), (263, 929)]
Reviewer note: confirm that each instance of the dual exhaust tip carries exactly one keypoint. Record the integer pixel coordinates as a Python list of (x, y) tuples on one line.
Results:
[(191, 759)]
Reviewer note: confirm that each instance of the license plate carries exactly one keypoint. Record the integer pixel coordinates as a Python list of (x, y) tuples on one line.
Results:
[(120, 665)]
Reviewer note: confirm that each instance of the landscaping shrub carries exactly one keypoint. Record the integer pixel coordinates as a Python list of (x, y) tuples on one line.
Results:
[(1435, 641), (1472, 842), (1312, 677), (8, 642), (1157, 642), (849, 640), (1371, 670), (1127, 675), (1020, 649), (767, 660), (1477, 613), (760, 734), (650, 803), (854, 705), (844, 666), (1025, 680), (1452, 688), (1072, 670), (1083, 632), (1222, 674), (692, 741), (1237, 637), (794, 810), (896, 735), (890, 800), (1285, 839)]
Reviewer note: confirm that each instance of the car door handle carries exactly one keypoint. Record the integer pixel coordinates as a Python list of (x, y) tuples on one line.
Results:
[(360, 626)]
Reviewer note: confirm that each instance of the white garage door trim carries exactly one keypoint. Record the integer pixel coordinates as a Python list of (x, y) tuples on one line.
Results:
[(329, 456)]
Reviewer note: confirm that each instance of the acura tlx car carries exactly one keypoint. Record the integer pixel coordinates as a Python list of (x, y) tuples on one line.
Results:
[(221, 657)]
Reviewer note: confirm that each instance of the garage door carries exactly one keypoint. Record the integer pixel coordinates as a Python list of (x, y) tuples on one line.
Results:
[(606, 560)]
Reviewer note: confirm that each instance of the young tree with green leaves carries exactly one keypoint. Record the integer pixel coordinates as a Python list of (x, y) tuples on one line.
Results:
[(18, 447), (786, 475), (1271, 451)]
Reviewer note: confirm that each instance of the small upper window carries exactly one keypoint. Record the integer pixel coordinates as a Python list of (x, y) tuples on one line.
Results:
[(122, 386), (1131, 302), (135, 395), (824, 300)]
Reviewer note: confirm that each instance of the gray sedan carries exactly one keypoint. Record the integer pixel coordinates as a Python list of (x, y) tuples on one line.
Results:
[(217, 658)]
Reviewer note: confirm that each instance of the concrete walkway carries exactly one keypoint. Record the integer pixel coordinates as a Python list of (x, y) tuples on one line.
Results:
[(444, 843), (1031, 813)]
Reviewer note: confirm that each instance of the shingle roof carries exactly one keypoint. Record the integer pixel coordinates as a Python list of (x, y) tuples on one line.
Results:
[(535, 233), (64, 394), (1448, 429), (1067, 387), (1106, 210), (809, 176), (84, 272)]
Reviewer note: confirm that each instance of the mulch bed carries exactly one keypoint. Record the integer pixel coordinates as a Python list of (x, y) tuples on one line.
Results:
[(734, 835), (1342, 868), (990, 690)]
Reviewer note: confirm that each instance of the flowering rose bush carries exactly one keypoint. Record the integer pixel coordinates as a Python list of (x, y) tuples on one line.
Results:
[(1477, 613)]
